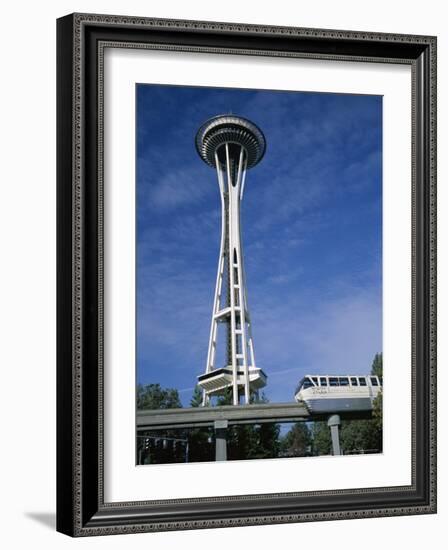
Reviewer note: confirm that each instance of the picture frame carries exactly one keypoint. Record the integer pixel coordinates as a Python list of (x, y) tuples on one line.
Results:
[(81, 507)]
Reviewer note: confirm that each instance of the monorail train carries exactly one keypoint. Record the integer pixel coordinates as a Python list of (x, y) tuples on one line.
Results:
[(337, 394)]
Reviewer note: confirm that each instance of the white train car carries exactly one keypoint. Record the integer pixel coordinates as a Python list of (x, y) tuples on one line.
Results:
[(338, 393)]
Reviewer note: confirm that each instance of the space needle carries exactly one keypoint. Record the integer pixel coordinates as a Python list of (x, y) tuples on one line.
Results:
[(231, 145)]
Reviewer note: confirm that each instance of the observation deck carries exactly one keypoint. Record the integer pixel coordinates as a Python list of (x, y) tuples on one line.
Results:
[(230, 129)]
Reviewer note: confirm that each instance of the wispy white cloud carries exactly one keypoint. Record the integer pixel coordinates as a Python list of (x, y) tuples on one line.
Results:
[(182, 187)]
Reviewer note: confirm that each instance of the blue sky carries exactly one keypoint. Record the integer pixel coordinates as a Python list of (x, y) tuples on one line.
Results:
[(311, 223)]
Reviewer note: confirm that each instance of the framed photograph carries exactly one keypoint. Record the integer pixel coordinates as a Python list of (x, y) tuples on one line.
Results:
[(246, 274)]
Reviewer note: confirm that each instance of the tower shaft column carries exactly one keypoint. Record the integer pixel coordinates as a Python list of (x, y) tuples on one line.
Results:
[(235, 170), (231, 145)]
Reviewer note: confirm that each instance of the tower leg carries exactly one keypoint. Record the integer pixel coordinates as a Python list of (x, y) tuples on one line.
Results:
[(334, 422), (205, 398), (221, 439), (236, 394)]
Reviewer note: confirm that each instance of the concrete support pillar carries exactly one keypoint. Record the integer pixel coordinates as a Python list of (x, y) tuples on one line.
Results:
[(334, 422), (221, 439)]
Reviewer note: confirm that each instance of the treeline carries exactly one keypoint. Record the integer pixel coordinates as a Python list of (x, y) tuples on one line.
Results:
[(251, 441)]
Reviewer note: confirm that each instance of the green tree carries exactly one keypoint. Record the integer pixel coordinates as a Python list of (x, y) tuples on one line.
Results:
[(320, 438), (377, 413), (196, 398), (297, 441), (226, 398), (377, 365), (366, 435), (265, 438), (160, 446), (359, 436), (251, 441), (200, 440), (153, 396)]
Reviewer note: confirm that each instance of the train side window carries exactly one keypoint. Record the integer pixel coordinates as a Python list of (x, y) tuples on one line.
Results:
[(343, 381), (374, 381), (362, 382), (354, 381), (333, 381), (315, 380), (323, 381)]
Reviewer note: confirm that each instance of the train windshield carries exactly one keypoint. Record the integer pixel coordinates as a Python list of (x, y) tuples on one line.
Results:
[(304, 384)]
